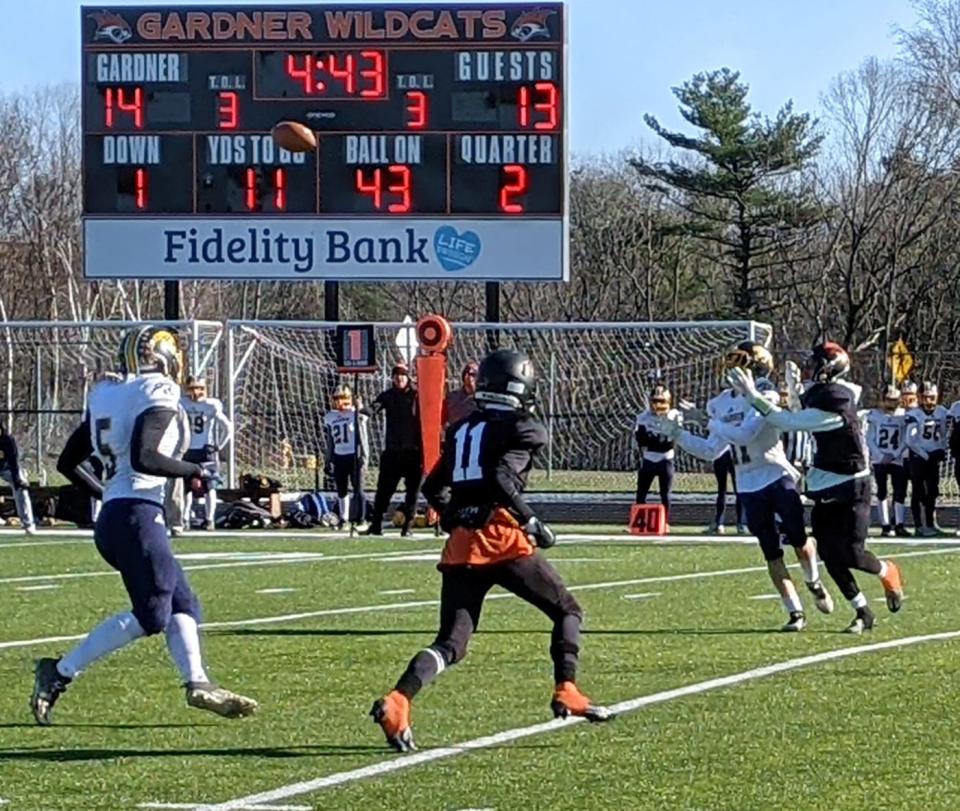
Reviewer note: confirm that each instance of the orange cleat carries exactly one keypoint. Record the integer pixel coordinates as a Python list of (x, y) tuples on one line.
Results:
[(893, 586), (392, 712), (568, 700)]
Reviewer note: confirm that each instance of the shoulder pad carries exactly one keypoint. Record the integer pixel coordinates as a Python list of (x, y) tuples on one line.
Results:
[(531, 432)]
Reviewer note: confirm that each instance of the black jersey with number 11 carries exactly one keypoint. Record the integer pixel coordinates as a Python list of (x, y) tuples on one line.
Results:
[(485, 463)]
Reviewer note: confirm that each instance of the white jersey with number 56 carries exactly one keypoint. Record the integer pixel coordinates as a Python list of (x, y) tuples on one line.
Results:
[(113, 408)]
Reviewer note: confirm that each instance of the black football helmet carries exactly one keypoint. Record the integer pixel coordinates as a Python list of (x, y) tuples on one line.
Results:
[(828, 362), (750, 355), (151, 349), (506, 378)]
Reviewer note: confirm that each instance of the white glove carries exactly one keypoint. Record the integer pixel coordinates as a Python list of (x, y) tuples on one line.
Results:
[(741, 381), (794, 385), (692, 414), (670, 426)]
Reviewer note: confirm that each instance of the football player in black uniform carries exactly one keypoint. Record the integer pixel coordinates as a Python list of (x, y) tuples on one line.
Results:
[(838, 481), (477, 488)]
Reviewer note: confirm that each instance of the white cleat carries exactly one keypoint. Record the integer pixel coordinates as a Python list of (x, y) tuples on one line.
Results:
[(30, 529), (797, 622), (220, 701)]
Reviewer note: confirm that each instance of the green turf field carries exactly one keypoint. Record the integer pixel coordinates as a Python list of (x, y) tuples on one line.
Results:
[(317, 628)]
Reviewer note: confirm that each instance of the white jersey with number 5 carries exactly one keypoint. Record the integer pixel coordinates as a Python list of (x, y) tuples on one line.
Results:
[(755, 443), (204, 416), (113, 408)]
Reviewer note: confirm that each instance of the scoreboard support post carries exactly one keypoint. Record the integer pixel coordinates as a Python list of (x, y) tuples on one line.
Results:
[(331, 301), (492, 314), (171, 300)]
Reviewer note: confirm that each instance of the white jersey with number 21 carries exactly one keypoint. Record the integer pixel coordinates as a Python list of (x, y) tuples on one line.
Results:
[(113, 408)]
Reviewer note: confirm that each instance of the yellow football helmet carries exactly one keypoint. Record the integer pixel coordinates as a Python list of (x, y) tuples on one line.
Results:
[(149, 349), (660, 400), (342, 397), (752, 356)]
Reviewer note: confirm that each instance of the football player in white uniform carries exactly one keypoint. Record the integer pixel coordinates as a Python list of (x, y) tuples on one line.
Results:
[(926, 437), (346, 455), (767, 482), (655, 448), (839, 480), (137, 430), (887, 445), (210, 431)]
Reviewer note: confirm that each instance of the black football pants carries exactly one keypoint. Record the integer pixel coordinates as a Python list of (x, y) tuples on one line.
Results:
[(462, 593), (925, 488), (396, 465), (661, 471), (840, 520), (723, 467)]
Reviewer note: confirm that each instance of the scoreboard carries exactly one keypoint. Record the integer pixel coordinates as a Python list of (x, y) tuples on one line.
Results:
[(441, 135)]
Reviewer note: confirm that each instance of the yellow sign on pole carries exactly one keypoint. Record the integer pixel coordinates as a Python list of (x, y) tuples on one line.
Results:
[(900, 360)]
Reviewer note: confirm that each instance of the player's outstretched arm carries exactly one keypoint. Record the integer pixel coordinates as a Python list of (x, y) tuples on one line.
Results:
[(145, 454), (72, 458), (813, 420)]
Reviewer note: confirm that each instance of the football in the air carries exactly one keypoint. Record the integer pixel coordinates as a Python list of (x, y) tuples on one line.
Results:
[(294, 136)]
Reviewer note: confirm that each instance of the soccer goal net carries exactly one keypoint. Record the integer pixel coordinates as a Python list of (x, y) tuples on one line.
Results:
[(594, 379), (49, 366)]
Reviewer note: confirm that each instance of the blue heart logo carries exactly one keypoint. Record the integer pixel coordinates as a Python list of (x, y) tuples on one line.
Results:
[(455, 251)]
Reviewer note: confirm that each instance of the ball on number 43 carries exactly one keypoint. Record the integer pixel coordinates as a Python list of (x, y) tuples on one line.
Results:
[(294, 136)]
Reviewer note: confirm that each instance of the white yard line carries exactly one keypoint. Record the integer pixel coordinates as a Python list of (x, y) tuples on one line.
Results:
[(307, 557), (642, 596), (275, 591), (20, 544), (369, 609), (391, 592), (41, 587), (396, 764), (189, 806), (773, 597)]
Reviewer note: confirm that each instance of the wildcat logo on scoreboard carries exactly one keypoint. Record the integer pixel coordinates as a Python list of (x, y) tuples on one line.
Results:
[(532, 24), (111, 27)]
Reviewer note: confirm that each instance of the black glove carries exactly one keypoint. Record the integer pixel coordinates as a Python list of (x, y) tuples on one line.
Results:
[(540, 533)]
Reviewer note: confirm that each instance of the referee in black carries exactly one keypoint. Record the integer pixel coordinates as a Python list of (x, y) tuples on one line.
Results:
[(402, 456)]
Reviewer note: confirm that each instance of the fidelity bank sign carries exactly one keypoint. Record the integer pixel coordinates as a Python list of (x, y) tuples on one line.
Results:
[(361, 250)]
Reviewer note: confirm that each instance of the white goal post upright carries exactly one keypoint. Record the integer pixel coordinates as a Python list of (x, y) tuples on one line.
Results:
[(594, 378)]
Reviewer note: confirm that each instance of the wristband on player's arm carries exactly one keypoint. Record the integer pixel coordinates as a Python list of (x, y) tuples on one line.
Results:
[(761, 403)]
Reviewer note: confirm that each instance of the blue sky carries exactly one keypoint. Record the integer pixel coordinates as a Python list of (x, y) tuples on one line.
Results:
[(625, 54)]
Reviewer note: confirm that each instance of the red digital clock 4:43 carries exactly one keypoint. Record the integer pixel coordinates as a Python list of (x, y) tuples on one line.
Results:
[(321, 74)]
